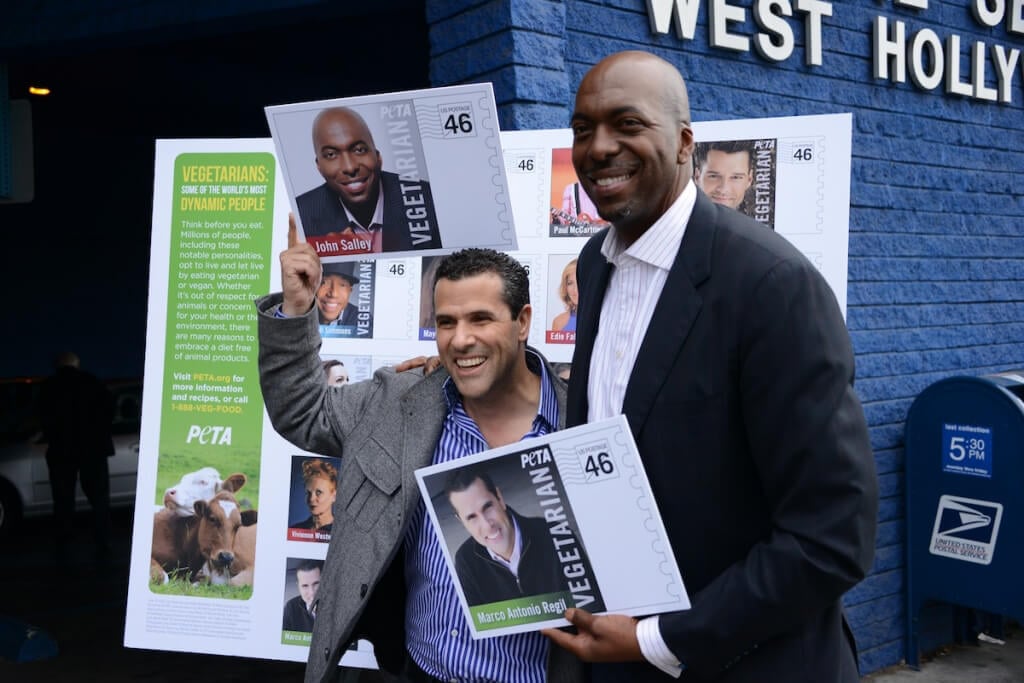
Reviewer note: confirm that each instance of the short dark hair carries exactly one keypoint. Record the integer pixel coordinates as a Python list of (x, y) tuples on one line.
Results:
[(702, 149), (464, 477), (469, 262), (308, 565)]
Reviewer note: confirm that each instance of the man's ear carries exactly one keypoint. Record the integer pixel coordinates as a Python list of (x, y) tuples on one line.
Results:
[(525, 316), (685, 154)]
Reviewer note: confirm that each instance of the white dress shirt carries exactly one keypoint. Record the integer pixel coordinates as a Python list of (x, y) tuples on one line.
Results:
[(637, 279), (378, 215), (512, 563)]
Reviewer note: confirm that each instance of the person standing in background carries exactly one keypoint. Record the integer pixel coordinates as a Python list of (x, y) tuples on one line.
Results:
[(76, 411)]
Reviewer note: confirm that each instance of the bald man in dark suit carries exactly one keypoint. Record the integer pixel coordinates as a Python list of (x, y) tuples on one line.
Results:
[(727, 352)]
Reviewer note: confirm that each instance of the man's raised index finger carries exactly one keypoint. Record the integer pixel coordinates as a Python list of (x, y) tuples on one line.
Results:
[(293, 232)]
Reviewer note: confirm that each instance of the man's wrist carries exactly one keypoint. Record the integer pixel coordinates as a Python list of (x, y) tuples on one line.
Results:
[(654, 649), (287, 311)]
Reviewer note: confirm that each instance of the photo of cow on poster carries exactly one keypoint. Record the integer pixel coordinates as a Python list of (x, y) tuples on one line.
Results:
[(203, 535)]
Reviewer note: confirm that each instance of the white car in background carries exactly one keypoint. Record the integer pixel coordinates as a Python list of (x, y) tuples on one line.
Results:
[(24, 477)]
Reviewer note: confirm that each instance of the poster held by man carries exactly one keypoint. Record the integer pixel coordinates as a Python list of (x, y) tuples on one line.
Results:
[(385, 174), (563, 520)]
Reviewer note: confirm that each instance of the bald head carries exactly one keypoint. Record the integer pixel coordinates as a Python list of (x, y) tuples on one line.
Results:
[(348, 160), (340, 116), (632, 143), (656, 72)]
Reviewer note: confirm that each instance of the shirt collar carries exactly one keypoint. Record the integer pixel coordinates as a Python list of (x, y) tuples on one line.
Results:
[(378, 211), (517, 548), (547, 410), (659, 244)]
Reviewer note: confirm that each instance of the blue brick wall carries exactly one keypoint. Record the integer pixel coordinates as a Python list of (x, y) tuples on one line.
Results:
[(518, 46), (936, 264)]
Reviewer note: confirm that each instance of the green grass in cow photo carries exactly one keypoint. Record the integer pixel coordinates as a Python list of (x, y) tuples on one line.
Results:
[(172, 466), (182, 586)]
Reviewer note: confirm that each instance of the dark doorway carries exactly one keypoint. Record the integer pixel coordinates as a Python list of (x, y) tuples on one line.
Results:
[(77, 256)]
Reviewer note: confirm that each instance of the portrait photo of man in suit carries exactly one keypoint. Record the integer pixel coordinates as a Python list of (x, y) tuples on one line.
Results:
[(300, 609), (361, 208), (725, 171), (344, 300), (333, 298), (726, 350), (507, 555)]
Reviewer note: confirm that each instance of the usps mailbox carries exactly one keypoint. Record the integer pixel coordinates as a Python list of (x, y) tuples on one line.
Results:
[(965, 498)]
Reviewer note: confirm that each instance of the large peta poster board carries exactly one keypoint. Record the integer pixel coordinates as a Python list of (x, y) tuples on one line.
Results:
[(795, 180), (220, 552), (220, 219)]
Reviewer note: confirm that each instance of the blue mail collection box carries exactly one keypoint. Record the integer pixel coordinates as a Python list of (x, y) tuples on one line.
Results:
[(965, 497)]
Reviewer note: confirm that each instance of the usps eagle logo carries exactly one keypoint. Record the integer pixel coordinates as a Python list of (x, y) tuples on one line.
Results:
[(966, 529)]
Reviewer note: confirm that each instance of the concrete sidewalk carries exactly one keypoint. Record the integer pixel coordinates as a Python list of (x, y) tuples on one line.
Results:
[(78, 599), (987, 662), (81, 602)]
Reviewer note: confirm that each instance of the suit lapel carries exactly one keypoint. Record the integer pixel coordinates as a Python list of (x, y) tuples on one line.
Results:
[(674, 315), (595, 283)]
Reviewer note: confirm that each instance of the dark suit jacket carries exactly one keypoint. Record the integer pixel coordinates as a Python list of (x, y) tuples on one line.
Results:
[(321, 213), (742, 404), (296, 617), (76, 411)]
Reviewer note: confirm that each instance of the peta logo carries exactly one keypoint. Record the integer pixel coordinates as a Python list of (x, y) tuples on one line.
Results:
[(209, 436)]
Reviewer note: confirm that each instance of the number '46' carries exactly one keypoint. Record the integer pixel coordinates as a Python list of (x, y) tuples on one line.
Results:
[(599, 464), (463, 124)]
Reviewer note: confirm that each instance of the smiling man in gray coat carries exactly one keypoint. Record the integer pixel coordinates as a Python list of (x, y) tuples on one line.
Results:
[(385, 578)]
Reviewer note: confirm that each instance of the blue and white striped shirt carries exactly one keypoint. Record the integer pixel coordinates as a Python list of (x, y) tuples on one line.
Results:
[(437, 635)]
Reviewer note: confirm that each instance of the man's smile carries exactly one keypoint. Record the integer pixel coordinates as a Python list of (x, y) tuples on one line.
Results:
[(605, 182), (355, 183)]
